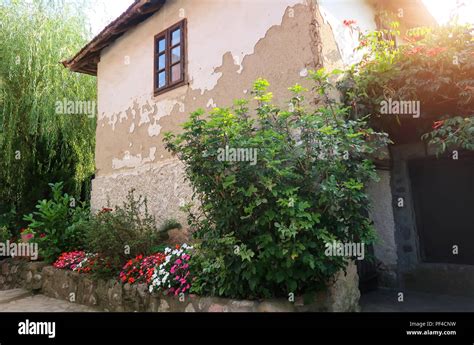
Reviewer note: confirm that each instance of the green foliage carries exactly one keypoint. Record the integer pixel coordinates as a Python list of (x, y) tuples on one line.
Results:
[(120, 234), (5, 234), (37, 145), (434, 66), (262, 228), (59, 220), (170, 224), (455, 132)]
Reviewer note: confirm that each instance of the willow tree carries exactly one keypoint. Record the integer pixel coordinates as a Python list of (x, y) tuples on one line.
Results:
[(38, 144)]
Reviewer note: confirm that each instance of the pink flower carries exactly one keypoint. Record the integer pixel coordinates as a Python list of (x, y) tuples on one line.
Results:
[(348, 22)]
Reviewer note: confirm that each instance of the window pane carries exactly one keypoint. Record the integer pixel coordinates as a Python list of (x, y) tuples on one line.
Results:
[(161, 61), (161, 45), (176, 72), (175, 37), (175, 54), (161, 79)]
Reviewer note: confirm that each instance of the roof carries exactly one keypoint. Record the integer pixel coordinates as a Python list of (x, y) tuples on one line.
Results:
[(86, 60)]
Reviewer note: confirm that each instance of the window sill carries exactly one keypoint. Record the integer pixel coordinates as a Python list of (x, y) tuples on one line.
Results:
[(169, 88)]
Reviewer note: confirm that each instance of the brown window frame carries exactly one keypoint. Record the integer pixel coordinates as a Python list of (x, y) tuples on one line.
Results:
[(166, 34)]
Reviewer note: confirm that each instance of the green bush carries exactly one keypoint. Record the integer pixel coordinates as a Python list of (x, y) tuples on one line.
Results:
[(120, 234), (58, 223), (263, 224), (5, 234)]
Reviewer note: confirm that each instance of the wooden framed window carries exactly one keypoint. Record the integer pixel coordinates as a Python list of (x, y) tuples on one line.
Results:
[(169, 58)]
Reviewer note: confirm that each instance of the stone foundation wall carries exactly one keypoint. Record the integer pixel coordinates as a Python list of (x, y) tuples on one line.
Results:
[(381, 213), (163, 184), (342, 295), (20, 273)]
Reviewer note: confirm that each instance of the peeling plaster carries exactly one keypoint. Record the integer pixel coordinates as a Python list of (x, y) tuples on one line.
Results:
[(347, 39), (282, 43), (241, 23), (144, 118), (131, 161), (304, 72)]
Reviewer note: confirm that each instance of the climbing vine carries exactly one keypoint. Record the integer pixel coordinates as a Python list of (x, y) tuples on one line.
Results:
[(433, 68)]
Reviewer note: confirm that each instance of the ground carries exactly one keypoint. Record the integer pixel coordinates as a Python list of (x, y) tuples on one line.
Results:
[(387, 301), (19, 300)]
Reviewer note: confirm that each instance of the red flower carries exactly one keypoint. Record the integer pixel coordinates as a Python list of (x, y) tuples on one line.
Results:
[(413, 39), (437, 124), (43, 235), (435, 51), (105, 210), (348, 22), (415, 50)]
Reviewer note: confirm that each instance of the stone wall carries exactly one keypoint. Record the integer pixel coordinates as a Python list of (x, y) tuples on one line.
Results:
[(342, 295), (381, 214), (20, 273)]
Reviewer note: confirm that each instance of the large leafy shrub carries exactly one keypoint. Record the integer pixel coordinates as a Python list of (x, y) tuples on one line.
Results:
[(57, 221), (122, 233), (263, 225)]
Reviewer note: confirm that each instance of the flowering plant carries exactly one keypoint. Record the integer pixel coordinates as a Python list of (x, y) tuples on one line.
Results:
[(173, 274), (70, 260), (27, 234), (430, 66), (78, 261), (88, 263), (140, 269)]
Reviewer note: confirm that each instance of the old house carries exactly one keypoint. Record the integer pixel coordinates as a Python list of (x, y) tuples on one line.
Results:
[(162, 59)]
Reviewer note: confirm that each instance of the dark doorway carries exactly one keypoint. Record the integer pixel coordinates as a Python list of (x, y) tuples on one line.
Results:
[(443, 195), (367, 271)]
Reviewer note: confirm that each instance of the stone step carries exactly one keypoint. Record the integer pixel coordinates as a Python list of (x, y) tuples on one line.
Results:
[(8, 296), (449, 279)]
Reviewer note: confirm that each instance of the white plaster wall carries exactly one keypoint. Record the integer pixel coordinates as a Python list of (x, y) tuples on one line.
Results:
[(214, 28), (335, 12)]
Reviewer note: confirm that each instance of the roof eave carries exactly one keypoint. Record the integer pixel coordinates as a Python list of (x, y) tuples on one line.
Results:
[(86, 60)]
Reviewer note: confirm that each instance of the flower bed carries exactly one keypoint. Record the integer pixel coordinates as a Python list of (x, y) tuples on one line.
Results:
[(112, 295), (167, 272)]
